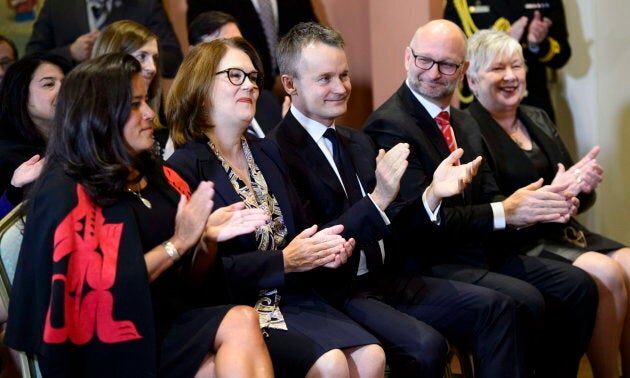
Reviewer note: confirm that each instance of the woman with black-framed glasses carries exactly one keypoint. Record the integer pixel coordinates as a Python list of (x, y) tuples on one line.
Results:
[(211, 103)]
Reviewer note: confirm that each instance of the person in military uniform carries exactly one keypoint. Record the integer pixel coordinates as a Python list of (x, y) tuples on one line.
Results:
[(540, 27)]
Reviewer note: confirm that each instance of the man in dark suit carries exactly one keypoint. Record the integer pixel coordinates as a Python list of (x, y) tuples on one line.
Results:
[(286, 12), (211, 25), (340, 178), (70, 27), (557, 324)]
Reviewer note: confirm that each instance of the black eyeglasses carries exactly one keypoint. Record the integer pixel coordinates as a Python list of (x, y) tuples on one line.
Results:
[(425, 63), (237, 76)]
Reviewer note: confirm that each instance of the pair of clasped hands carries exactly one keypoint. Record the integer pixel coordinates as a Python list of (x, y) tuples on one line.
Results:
[(556, 202)]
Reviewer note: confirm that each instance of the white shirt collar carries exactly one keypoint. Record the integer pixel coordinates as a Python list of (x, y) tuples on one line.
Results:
[(431, 108), (315, 129)]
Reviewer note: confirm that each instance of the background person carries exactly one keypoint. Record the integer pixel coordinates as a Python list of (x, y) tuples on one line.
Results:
[(70, 28), (8, 55), (136, 40), (539, 26), (262, 23), (27, 107)]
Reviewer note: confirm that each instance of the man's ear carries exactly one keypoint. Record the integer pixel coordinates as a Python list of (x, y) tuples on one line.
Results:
[(288, 84), (408, 58), (465, 69)]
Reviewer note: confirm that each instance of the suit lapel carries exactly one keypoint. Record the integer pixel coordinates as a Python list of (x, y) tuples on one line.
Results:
[(364, 168), (546, 144), (210, 167), (79, 9), (505, 152), (306, 149), (424, 121), (275, 182)]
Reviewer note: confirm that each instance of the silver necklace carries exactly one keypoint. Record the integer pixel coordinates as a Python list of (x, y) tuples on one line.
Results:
[(144, 201)]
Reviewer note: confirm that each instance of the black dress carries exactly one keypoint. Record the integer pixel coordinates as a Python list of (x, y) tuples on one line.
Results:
[(185, 334), (515, 168)]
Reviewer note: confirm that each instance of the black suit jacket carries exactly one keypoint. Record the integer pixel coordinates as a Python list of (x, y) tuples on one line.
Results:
[(268, 111), (323, 197), (466, 220), (290, 13), (246, 269), (61, 22)]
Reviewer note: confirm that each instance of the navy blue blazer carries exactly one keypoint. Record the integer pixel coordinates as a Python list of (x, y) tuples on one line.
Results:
[(245, 268)]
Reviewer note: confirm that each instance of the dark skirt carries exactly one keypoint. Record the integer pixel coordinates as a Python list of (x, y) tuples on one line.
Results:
[(314, 328), (568, 242), (189, 340)]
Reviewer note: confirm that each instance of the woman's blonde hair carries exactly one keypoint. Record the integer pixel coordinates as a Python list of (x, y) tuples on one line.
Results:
[(487, 45), (128, 36)]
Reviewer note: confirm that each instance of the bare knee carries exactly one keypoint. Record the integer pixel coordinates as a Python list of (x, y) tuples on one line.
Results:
[(622, 256), (608, 273), (240, 322), (366, 361), (331, 364)]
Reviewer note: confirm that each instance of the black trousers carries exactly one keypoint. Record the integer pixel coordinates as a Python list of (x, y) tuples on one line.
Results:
[(556, 304), (413, 317)]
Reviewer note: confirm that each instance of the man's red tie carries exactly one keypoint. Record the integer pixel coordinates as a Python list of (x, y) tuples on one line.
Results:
[(443, 119)]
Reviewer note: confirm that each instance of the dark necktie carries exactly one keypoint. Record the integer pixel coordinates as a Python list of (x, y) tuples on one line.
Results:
[(342, 159), (251, 130), (344, 167), (99, 9), (268, 21)]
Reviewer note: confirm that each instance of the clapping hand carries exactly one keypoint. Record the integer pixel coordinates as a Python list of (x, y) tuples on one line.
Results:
[(233, 220), (27, 172), (538, 29), (537, 204), (310, 250), (583, 176), (390, 167), (450, 179)]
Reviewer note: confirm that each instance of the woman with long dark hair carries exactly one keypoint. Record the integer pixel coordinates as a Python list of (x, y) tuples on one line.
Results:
[(27, 103)]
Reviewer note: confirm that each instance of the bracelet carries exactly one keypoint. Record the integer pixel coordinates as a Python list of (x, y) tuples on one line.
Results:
[(171, 251)]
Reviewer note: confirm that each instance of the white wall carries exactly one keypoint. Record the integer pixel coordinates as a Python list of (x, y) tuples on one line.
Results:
[(593, 104)]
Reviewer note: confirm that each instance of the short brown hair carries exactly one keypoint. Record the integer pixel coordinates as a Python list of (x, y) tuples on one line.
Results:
[(301, 35)]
